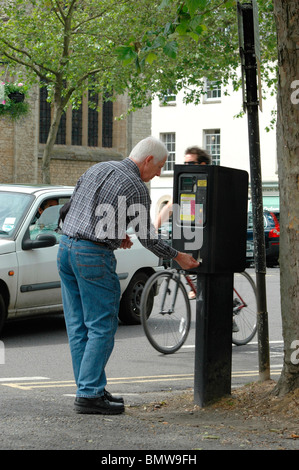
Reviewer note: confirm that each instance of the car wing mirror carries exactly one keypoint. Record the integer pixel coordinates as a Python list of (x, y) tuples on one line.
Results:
[(43, 240)]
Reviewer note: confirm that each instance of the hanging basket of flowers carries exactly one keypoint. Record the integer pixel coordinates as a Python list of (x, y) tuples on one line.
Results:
[(13, 100)]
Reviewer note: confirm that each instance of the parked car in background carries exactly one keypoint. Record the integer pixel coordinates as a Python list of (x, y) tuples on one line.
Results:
[(29, 279), (272, 234)]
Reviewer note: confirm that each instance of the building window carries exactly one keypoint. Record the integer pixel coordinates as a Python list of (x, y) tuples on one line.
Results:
[(77, 126), (212, 144), (169, 98), (44, 116), (107, 124), (93, 122), (213, 91), (169, 141), (97, 128), (61, 133)]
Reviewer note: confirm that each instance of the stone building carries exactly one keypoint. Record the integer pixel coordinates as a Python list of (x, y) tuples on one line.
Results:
[(85, 137)]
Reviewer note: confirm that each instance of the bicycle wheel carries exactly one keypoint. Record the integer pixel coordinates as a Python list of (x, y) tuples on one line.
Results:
[(244, 309), (167, 325)]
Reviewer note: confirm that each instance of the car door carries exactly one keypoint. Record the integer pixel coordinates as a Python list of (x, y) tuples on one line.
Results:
[(38, 280)]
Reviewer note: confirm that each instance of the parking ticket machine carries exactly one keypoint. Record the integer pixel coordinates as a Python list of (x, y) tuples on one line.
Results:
[(210, 222), (210, 216)]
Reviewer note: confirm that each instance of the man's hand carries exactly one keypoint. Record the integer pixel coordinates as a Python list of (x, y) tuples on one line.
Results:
[(186, 261), (126, 243)]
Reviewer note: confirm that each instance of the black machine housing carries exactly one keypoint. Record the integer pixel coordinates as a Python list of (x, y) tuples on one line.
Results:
[(211, 202)]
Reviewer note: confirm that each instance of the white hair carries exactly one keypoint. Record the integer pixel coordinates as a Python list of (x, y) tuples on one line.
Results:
[(149, 146)]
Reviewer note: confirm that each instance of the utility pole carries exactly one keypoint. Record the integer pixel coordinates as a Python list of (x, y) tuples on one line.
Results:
[(249, 52)]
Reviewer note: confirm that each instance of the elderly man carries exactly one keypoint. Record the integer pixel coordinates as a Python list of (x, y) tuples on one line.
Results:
[(101, 209)]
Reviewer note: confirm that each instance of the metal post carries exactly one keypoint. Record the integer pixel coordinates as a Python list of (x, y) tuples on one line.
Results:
[(213, 337), (252, 104)]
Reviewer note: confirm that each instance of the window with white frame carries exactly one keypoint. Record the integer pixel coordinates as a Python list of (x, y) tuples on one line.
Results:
[(168, 98), (212, 144), (168, 138), (213, 91)]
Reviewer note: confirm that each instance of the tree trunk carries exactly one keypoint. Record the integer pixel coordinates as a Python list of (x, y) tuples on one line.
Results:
[(57, 112), (287, 21)]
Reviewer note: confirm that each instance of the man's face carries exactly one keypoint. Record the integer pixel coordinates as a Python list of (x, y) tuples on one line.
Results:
[(190, 158), (49, 203), (152, 169)]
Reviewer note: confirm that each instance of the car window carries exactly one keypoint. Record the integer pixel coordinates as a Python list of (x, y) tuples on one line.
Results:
[(46, 219), (13, 208), (250, 220), (277, 214), (268, 220), (46, 223)]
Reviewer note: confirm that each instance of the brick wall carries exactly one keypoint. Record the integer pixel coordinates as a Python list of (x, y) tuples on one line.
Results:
[(26, 143), (18, 146), (21, 153), (68, 162), (6, 151)]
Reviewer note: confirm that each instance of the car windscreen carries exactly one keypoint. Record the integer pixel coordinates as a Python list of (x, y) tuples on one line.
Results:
[(13, 207)]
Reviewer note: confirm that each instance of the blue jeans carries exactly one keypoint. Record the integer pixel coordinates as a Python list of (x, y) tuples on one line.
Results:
[(90, 295)]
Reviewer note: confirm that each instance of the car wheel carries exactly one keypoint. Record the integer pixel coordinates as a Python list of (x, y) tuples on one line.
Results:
[(2, 313), (129, 309)]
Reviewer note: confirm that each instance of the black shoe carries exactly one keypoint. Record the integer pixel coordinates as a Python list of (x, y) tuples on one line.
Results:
[(98, 405), (113, 398)]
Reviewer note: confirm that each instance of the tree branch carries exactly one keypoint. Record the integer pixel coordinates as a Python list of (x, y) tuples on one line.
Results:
[(61, 18), (99, 15), (79, 83), (30, 66), (24, 53)]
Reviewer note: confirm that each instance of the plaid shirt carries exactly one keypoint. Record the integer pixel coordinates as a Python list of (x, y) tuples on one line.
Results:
[(109, 198)]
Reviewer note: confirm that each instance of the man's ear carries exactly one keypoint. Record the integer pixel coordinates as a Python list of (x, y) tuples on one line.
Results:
[(149, 158)]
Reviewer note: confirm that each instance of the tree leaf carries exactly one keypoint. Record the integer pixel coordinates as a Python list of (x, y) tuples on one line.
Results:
[(193, 5), (170, 49), (126, 54), (151, 57)]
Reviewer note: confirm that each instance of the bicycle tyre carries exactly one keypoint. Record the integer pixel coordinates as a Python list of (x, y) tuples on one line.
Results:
[(245, 316), (166, 328)]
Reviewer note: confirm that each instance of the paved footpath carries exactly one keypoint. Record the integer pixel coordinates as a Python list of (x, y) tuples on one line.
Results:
[(165, 423)]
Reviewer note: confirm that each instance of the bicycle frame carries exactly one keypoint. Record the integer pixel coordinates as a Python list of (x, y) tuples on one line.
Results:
[(236, 308), (238, 303), (190, 283), (174, 297)]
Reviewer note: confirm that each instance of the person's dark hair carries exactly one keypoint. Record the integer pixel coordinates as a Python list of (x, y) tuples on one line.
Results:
[(202, 155), (45, 202)]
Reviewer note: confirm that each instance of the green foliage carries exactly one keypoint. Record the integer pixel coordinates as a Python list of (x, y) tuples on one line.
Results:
[(196, 39), (71, 45), (11, 107), (145, 47)]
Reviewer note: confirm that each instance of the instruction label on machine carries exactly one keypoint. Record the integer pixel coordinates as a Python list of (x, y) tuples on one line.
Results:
[(187, 204)]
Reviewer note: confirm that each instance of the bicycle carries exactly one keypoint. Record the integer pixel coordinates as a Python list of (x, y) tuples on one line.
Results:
[(166, 312)]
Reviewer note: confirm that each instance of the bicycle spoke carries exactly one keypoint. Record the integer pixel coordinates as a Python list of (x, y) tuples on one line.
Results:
[(244, 310), (168, 324)]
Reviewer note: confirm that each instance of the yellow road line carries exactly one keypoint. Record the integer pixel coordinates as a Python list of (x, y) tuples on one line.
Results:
[(124, 380), (71, 383)]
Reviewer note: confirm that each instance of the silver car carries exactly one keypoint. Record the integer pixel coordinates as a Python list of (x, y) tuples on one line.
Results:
[(29, 280)]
